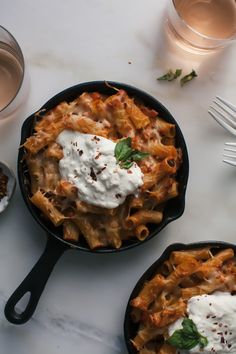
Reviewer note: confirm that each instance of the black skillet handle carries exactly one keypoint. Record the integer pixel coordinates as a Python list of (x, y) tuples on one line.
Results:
[(34, 283)]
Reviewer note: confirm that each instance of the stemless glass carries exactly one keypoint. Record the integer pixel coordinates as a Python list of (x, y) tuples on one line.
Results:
[(201, 26), (12, 74)]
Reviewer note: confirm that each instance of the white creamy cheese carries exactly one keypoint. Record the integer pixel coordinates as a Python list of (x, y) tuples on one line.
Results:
[(89, 164), (3, 203), (215, 318)]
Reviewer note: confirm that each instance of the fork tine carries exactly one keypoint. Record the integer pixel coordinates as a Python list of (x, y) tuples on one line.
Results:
[(230, 147), (232, 163), (226, 118), (223, 107), (230, 144), (225, 125), (228, 104), (230, 155), (230, 150)]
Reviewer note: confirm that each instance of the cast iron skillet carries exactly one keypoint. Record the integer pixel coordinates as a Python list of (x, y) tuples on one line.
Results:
[(130, 328), (36, 280)]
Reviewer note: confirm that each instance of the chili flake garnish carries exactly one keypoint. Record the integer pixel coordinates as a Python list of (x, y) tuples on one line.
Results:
[(3, 184)]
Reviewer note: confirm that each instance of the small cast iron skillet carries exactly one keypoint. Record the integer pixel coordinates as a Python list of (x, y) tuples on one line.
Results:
[(36, 280), (130, 328)]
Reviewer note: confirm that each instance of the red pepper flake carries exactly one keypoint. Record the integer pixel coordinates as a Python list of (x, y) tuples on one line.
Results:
[(129, 172), (222, 340), (3, 184), (98, 173), (95, 138), (98, 155), (92, 174), (76, 175)]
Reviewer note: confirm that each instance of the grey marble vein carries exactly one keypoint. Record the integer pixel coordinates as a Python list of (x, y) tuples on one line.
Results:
[(71, 328)]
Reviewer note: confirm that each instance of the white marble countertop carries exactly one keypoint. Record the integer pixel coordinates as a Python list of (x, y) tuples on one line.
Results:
[(65, 43)]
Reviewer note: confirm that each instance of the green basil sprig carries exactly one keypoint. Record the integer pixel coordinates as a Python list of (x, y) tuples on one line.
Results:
[(188, 77), (187, 337), (125, 155), (170, 75)]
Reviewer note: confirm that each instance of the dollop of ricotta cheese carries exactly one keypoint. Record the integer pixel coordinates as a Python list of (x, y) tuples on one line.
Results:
[(89, 163), (215, 318)]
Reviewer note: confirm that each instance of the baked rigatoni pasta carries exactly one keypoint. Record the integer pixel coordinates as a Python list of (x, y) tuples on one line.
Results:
[(163, 298), (113, 117)]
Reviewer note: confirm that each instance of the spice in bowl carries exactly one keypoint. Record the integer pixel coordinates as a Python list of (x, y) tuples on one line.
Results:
[(7, 185), (3, 184)]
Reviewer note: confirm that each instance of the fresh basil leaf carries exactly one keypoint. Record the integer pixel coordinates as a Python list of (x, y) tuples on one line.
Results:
[(189, 326), (139, 155), (203, 341), (178, 72), (189, 343), (126, 164), (176, 339), (123, 148), (170, 75), (125, 155), (187, 337), (180, 341), (188, 77)]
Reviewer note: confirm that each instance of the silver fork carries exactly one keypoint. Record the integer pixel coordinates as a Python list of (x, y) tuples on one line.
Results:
[(224, 113), (230, 158)]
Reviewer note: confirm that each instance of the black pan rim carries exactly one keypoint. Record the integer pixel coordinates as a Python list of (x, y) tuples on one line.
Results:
[(150, 271), (70, 93)]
